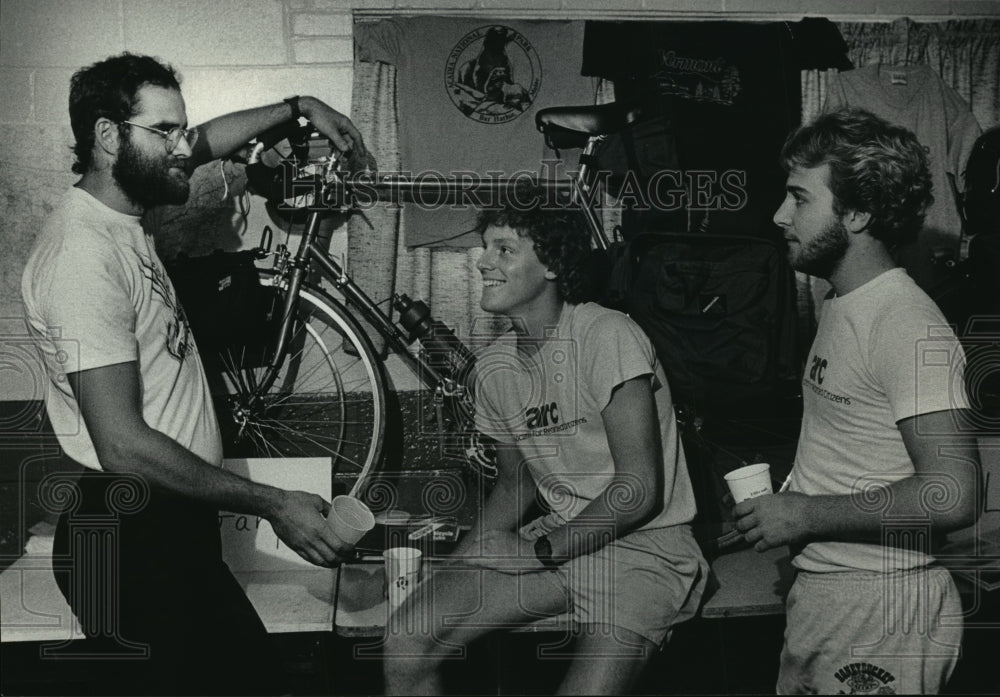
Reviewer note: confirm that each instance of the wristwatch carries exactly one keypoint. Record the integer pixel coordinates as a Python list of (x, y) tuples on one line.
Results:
[(543, 550), (293, 102)]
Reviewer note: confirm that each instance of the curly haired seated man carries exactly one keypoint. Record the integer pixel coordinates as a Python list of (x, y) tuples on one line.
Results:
[(886, 462), (575, 397)]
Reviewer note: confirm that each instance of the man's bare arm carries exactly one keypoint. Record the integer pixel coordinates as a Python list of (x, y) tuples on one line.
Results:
[(635, 493), (223, 135), (945, 489), (111, 404)]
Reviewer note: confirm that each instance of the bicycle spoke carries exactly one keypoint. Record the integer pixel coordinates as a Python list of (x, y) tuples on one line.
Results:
[(257, 436), (338, 456), (314, 439), (325, 401), (325, 422)]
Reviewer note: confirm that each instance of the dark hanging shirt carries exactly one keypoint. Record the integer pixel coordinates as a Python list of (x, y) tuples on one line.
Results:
[(731, 92)]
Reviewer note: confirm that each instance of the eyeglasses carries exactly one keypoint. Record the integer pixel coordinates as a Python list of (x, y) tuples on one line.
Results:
[(171, 138)]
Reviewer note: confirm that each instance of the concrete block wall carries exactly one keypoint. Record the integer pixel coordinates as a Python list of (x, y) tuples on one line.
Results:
[(234, 54)]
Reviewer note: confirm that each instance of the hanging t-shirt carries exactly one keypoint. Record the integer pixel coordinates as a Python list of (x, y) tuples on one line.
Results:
[(467, 90), (732, 91), (916, 98)]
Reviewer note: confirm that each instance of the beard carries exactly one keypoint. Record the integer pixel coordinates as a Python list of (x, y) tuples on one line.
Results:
[(822, 254), (147, 181)]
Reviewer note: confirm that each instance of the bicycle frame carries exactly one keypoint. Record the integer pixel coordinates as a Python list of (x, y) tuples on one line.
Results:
[(309, 252), (301, 262), (294, 269)]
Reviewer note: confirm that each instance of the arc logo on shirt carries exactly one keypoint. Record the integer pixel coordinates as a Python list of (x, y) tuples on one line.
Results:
[(542, 416), (493, 74), (818, 369)]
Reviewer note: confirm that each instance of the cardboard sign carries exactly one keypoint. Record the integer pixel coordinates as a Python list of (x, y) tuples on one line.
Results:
[(249, 542)]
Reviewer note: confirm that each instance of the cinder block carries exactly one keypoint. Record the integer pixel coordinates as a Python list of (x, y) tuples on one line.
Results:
[(436, 4), (36, 148), (763, 6), (361, 5), (212, 92), (661, 7), (828, 8), (57, 33), (323, 50), (912, 8), (489, 6), (52, 95), (199, 33), (845, 8), (975, 8), (322, 24), (609, 5), (15, 95)]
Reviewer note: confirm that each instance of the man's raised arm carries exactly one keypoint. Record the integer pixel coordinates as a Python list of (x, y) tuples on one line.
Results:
[(223, 135)]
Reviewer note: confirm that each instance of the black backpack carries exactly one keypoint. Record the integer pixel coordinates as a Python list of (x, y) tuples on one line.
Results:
[(981, 200), (230, 313), (720, 311), (979, 324)]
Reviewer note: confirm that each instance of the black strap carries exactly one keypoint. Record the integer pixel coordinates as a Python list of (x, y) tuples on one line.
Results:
[(293, 102)]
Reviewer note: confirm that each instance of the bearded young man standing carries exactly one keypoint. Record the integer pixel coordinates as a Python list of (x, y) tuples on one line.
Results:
[(130, 401), (886, 462)]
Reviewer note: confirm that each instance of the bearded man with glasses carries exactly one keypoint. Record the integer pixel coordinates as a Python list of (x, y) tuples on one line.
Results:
[(129, 400)]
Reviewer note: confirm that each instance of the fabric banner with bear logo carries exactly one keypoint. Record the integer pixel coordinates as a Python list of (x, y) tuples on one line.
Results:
[(467, 93)]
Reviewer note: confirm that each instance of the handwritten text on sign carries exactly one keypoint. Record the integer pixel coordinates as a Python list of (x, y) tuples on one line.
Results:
[(248, 542)]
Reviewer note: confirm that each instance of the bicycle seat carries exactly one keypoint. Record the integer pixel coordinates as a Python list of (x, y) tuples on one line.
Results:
[(571, 126)]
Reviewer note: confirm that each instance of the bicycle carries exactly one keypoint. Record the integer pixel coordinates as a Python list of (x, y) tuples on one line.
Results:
[(319, 387)]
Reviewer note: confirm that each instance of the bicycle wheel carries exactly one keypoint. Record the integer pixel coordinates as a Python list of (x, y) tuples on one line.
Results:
[(329, 399)]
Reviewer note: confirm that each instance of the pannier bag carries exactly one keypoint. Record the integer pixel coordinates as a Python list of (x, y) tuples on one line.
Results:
[(720, 311), (229, 311)]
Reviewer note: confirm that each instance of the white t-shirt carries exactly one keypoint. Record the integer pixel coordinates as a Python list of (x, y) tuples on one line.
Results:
[(550, 405), (882, 353), (96, 294)]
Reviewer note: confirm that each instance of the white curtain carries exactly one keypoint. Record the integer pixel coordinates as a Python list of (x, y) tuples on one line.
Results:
[(378, 259), (966, 55)]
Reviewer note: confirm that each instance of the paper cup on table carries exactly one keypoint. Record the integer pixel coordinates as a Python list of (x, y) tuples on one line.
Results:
[(350, 519), (750, 481), (402, 572)]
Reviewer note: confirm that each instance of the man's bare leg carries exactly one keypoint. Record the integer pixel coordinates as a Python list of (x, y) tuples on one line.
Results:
[(453, 607), (608, 661)]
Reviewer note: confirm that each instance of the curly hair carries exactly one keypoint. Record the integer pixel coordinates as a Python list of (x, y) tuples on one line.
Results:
[(875, 167), (109, 89), (559, 237)]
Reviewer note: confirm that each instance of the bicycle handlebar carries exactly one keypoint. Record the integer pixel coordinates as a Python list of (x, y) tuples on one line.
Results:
[(329, 182), (339, 190)]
